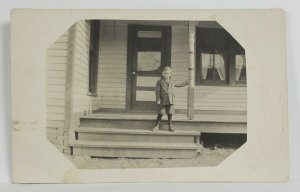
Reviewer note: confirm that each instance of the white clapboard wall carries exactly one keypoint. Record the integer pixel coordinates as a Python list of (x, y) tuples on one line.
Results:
[(81, 101), (57, 58), (72, 48), (206, 97), (112, 66)]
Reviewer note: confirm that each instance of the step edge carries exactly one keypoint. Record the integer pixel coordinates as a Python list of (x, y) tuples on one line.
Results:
[(174, 120), (135, 131), (135, 145)]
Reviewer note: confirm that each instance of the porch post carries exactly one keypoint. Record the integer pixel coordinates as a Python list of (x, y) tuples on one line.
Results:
[(191, 75)]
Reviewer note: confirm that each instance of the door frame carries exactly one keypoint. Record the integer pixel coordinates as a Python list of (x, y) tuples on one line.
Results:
[(132, 35)]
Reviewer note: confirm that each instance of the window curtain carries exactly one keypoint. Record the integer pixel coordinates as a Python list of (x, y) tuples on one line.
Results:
[(240, 62), (207, 62), (220, 66)]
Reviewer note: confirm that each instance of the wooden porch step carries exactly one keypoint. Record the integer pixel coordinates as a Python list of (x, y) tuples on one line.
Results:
[(136, 135), (134, 149)]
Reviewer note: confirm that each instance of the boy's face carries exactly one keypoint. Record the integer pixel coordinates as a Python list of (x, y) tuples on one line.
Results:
[(166, 74)]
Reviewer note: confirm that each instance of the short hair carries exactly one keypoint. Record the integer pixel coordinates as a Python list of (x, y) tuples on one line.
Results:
[(167, 69)]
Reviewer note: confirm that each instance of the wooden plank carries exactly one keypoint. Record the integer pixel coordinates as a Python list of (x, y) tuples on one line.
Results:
[(62, 39), (56, 124), (112, 106), (212, 103), (105, 80), (51, 59), (113, 98), (221, 108), (111, 62), (113, 52), (80, 75), (134, 132), (80, 83), (55, 46), (55, 102), (119, 75), (136, 145), (56, 81), (55, 116), (126, 137), (116, 57), (134, 153), (63, 53), (114, 71), (55, 95), (111, 102), (56, 67), (217, 96), (222, 88), (61, 74), (83, 57), (56, 88), (109, 94), (113, 66), (55, 109), (81, 50)]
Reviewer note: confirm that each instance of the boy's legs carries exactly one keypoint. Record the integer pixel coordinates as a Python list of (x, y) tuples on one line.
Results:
[(170, 122), (161, 111), (158, 120), (170, 112)]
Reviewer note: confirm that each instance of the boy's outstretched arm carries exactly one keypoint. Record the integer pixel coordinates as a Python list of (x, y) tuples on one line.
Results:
[(183, 84)]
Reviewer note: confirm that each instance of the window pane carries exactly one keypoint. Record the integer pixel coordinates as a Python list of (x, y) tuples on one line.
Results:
[(149, 34), (220, 66), (207, 63), (148, 61), (240, 67), (212, 67)]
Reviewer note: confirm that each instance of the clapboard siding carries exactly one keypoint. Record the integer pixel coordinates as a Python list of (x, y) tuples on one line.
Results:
[(112, 66), (81, 101), (57, 59), (206, 97)]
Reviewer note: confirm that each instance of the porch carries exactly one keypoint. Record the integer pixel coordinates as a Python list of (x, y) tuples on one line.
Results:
[(101, 78)]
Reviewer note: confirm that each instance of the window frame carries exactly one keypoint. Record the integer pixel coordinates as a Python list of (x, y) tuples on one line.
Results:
[(94, 48)]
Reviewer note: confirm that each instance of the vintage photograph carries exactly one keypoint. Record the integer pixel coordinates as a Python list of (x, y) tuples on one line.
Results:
[(146, 93)]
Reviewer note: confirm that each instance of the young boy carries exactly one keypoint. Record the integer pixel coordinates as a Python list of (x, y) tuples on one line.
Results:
[(165, 97)]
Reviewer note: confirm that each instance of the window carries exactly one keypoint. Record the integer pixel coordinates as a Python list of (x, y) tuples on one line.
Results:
[(220, 60), (93, 56)]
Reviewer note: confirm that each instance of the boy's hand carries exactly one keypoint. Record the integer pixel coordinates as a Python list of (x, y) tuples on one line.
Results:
[(158, 102)]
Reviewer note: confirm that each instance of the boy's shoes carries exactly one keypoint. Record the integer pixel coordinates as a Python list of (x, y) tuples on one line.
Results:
[(156, 127), (171, 128)]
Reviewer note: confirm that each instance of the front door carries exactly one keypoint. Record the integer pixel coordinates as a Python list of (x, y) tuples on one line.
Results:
[(149, 50)]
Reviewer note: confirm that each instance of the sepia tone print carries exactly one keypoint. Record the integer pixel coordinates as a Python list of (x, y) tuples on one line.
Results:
[(104, 88)]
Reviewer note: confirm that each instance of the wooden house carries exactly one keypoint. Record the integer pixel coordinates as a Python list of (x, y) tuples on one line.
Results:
[(101, 76)]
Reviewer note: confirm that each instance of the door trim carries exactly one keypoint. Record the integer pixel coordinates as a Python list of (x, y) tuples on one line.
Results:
[(132, 33)]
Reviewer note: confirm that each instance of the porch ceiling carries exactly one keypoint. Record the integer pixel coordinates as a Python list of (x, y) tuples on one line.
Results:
[(207, 24)]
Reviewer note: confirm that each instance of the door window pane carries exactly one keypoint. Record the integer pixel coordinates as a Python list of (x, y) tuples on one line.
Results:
[(149, 34), (148, 61)]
